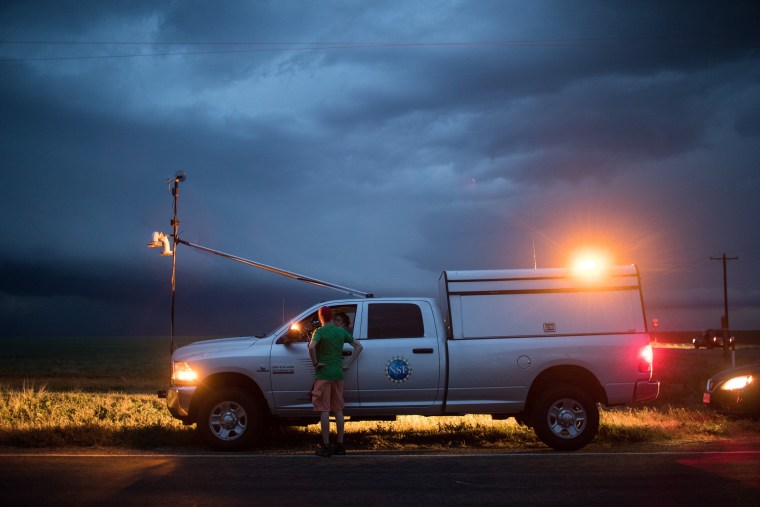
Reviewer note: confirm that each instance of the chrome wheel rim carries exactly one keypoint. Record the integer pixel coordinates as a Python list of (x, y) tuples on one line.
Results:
[(567, 418), (228, 420)]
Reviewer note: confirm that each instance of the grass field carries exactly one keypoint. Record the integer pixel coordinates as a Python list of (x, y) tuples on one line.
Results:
[(92, 392)]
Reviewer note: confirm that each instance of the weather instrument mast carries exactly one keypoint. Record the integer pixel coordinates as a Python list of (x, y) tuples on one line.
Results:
[(161, 240)]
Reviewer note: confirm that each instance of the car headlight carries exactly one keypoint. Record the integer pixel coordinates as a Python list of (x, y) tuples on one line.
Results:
[(183, 373), (739, 382)]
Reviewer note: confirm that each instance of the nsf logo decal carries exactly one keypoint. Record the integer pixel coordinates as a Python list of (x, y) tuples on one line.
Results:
[(398, 370)]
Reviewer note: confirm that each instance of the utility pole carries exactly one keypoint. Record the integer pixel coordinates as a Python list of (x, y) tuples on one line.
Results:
[(724, 320)]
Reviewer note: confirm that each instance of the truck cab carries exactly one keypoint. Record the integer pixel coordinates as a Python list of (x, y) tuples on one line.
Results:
[(399, 370)]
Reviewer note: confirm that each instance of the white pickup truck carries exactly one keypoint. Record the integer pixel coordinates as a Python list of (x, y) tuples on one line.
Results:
[(545, 346)]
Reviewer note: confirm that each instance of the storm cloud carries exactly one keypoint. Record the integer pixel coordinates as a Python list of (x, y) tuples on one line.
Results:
[(372, 145)]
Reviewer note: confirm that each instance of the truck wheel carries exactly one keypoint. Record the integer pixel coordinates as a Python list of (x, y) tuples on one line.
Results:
[(229, 419), (565, 418)]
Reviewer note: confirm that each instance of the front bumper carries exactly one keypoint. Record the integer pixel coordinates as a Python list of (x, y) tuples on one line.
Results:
[(646, 390), (732, 402), (178, 400)]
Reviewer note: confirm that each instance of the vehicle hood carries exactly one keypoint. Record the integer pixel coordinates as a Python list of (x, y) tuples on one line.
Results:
[(751, 369), (206, 348)]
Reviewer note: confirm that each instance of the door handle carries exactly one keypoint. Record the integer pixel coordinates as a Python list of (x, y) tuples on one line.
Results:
[(422, 351)]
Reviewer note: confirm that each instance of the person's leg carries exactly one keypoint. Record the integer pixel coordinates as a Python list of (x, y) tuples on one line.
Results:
[(337, 403), (324, 420), (339, 423), (320, 397)]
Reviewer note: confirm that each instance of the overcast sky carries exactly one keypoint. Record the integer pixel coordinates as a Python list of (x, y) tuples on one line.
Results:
[(373, 145)]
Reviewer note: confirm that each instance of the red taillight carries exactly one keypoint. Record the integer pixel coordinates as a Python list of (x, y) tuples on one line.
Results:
[(645, 360)]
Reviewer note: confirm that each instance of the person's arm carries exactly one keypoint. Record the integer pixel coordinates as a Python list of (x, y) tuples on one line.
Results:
[(313, 354), (357, 350)]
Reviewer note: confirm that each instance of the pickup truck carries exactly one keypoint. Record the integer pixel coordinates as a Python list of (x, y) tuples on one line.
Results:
[(545, 346)]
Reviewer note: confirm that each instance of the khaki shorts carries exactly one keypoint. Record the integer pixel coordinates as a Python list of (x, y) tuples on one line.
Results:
[(327, 396)]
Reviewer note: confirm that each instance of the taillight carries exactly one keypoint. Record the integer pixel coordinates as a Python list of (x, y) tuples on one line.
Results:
[(645, 360)]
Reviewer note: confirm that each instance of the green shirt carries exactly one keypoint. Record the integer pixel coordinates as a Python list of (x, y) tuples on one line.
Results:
[(329, 340)]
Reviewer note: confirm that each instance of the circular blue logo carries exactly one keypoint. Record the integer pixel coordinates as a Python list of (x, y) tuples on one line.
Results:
[(398, 370)]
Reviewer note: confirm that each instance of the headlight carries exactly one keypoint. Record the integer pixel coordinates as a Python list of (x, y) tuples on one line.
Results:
[(737, 383), (183, 373)]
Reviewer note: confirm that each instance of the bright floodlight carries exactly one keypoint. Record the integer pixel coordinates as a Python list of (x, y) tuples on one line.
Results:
[(589, 263), (161, 240), (156, 243)]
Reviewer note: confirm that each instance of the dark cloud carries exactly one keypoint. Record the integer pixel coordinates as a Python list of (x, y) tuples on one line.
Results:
[(409, 137), (72, 298), (56, 277)]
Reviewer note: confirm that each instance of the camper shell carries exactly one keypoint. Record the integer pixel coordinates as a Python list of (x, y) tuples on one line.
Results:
[(534, 303)]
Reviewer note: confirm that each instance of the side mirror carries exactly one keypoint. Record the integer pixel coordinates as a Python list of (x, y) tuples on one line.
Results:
[(293, 335)]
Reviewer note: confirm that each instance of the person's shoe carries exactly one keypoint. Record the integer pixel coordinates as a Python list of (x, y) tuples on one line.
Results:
[(323, 451), (339, 449)]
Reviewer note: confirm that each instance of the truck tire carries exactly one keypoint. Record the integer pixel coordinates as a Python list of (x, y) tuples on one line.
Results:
[(565, 418), (230, 419)]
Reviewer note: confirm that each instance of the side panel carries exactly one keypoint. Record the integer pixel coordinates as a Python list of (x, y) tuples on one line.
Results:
[(293, 375), (547, 314), (400, 374), (494, 375), (544, 303)]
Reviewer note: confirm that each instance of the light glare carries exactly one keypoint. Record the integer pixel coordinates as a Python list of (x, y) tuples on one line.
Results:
[(184, 373), (737, 383), (646, 359), (589, 262)]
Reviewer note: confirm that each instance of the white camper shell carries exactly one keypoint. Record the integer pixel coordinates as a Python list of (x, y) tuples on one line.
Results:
[(534, 303)]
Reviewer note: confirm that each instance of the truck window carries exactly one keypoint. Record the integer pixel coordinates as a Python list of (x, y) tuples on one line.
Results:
[(395, 320), (303, 330)]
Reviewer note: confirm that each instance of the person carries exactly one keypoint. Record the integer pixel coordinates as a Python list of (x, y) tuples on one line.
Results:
[(342, 320), (326, 352)]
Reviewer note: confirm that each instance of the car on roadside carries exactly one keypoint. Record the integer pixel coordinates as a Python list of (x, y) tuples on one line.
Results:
[(735, 391), (710, 339)]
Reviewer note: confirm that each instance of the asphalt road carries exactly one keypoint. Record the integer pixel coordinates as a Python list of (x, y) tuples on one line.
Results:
[(536, 478)]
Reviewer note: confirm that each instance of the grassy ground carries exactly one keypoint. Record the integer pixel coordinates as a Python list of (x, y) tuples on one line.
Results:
[(51, 396)]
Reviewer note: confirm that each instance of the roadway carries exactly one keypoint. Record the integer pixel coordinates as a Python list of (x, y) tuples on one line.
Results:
[(702, 476)]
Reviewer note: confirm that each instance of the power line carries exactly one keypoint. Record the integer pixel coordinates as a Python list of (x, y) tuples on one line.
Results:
[(717, 41)]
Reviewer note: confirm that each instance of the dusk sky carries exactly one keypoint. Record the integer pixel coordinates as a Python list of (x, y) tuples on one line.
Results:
[(373, 145)]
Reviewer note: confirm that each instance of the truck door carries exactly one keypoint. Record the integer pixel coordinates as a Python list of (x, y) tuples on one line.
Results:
[(400, 365), (291, 370)]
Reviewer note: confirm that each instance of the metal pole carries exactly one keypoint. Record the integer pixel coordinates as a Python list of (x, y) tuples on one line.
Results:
[(175, 235), (272, 269), (724, 321), (725, 311)]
